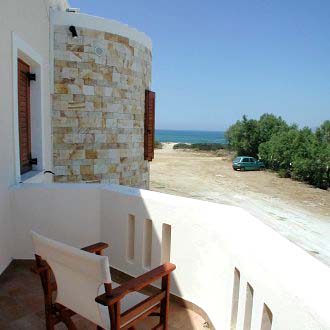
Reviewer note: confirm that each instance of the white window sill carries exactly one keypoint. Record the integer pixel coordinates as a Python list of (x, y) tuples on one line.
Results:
[(32, 177)]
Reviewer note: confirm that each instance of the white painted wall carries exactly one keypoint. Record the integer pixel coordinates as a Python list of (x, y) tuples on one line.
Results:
[(25, 32), (208, 241), (67, 212), (29, 22), (100, 24), (61, 5)]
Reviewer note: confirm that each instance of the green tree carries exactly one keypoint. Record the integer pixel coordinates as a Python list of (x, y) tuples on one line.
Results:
[(246, 135), (269, 125), (300, 153), (243, 137), (278, 152), (313, 165), (323, 132)]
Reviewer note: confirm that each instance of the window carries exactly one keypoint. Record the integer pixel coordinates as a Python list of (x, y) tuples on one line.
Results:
[(27, 106), (246, 160), (24, 116), (149, 125)]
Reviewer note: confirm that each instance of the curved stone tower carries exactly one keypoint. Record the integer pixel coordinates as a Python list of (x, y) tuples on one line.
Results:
[(100, 78)]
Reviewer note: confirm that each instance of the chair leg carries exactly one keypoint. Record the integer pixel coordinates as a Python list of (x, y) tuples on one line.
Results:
[(50, 324), (46, 285), (65, 317), (70, 325), (165, 304)]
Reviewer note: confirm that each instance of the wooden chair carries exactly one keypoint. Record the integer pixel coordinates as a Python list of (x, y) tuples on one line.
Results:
[(78, 281)]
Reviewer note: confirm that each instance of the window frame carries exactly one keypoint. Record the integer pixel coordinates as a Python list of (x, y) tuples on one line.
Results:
[(22, 50)]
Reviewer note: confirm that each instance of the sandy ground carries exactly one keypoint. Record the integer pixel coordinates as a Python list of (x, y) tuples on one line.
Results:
[(296, 210)]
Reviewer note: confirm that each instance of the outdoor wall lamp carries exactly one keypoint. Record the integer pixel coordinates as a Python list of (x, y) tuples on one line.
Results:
[(73, 31)]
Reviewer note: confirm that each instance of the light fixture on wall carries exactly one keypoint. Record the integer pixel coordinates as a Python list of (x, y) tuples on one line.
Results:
[(73, 31)]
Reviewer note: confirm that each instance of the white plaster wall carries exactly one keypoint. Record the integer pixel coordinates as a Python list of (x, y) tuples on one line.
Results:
[(101, 24), (66, 212), (29, 20), (61, 5), (208, 241)]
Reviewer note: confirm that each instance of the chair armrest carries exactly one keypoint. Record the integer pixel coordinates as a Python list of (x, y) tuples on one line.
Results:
[(135, 284), (96, 248), (38, 270)]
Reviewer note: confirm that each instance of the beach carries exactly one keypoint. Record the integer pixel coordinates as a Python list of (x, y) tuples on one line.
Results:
[(296, 210)]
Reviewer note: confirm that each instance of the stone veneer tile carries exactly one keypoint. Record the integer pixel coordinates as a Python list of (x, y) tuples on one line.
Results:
[(88, 90), (98, 108)]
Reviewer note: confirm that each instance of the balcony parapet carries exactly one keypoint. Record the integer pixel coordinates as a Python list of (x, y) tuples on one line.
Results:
[(242, 273)]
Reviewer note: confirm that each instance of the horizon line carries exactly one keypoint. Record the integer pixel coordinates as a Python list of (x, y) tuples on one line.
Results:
[(188, 130)]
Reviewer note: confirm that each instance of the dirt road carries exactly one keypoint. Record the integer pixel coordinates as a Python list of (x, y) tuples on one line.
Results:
[(296, 210)]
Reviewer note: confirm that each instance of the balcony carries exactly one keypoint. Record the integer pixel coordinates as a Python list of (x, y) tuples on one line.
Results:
[(22, 306), (233, 272)]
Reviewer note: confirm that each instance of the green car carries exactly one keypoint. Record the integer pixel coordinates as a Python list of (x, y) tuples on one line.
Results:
[(246, 163)]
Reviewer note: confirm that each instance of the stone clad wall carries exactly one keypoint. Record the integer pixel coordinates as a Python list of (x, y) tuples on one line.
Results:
[(98, 108)]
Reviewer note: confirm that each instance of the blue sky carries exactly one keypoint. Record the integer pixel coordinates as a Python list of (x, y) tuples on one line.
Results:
[(215, 60)]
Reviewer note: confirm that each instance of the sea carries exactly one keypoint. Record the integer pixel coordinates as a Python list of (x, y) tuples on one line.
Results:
[(179, 136)]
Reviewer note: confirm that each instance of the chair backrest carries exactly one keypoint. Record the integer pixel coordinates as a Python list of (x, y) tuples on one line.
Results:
[(78, 274)]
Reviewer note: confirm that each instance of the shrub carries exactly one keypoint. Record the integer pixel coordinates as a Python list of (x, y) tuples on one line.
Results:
[(158, 145), (200, 146), (182, 146), (246, 135), (299, 153), (284, 173)]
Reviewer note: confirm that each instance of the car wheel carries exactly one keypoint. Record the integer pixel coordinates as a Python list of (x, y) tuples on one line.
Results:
[(242, 168), (261, 169)]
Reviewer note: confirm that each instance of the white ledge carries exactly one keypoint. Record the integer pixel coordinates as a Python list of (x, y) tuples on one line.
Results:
[(100, 24)]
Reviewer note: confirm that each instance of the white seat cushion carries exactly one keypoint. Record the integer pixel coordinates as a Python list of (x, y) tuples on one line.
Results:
[(132, 299)]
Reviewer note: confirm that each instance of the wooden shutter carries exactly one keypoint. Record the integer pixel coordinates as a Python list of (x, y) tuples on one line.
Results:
[(24, 120), (149, 125)]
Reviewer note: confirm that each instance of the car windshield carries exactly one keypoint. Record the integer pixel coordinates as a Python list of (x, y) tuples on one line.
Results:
[(237, 159)]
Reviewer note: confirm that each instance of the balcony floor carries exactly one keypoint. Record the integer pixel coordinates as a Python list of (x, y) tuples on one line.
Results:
[(21, 305)]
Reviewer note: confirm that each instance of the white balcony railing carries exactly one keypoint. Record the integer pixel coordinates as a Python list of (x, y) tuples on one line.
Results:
[(239, 271)]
